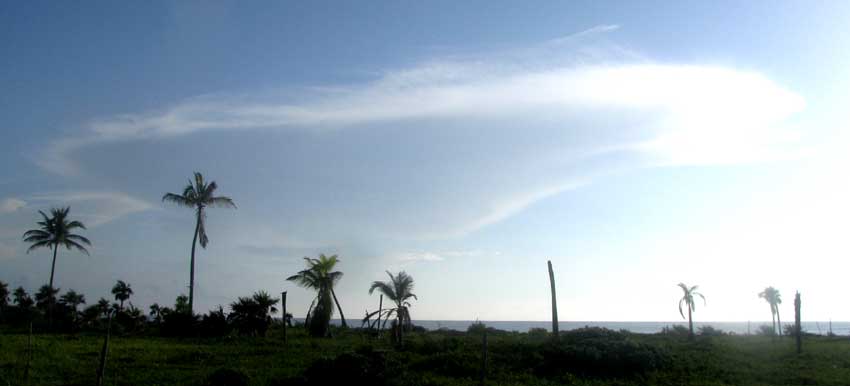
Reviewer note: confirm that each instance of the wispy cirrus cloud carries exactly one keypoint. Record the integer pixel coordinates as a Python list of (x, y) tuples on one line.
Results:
[(608, 102), (94, 208)]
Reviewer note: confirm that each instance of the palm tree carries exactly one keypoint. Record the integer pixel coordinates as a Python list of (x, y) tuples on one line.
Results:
[(198, 195), (53, 232), (771, 296), (688, 299), (21, 298), (399, 291), (320, 276), (122, 292), (72, 300), (4, 295)]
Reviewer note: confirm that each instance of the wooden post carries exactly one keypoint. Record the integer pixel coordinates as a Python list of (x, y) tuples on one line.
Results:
[(283, 306), (797, 325), (104, 352), (29, 357), (554, 301), (483, 358), (380, 308)]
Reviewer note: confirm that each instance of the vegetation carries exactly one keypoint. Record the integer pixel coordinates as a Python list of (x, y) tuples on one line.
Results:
[(688, 294), (198, 195), (774, 299), (590, 357), (399, 291), (320, 276), (55, 231), (122, 292)]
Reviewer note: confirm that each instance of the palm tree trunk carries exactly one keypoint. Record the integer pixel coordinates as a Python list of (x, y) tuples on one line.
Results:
[(773, 319), (50, 295), (380, 308), (554, 301), (341, 315), (307, 318), (690, 322), (192, 266), (778, 320)]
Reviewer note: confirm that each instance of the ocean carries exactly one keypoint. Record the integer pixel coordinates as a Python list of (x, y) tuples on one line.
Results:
[(815, 327)]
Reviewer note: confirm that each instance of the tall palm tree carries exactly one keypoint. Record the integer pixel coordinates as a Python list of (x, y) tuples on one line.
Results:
[(53, 232), (198, 195), (399, 291), (122, 292), (688, 300), (321, 277), (771, 296)]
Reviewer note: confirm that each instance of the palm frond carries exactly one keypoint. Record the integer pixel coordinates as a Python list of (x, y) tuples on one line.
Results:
[(177, 199)]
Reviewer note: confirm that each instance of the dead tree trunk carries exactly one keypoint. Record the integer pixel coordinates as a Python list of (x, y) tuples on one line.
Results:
[(797, 325), (554, 301)]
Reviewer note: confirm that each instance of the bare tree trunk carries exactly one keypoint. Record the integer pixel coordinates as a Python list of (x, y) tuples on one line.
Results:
[(380, 308), (50, 294), (341, 315), (690, 323), (283, 306), (797, 325), (554, 301), (192, 266)]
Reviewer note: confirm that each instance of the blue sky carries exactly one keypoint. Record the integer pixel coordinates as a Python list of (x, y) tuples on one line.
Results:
[(636, 146)]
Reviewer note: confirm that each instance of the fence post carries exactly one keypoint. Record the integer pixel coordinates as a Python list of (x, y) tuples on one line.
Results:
[(283, 305)]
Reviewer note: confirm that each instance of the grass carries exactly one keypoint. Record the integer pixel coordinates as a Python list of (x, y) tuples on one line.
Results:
[(432, 358)]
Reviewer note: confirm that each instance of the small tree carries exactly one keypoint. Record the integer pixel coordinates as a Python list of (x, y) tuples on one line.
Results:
[(688, 300)]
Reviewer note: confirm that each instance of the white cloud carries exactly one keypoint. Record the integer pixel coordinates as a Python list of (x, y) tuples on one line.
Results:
[(662, 113), (408, 257), (11, 204), (95, 208)]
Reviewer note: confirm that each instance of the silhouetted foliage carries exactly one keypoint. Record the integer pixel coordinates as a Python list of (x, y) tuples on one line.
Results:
[(214, 323), (122, 292), (399, 291), (774, 299), (688, 294), (710, 331), (321, 277), (198, 195)]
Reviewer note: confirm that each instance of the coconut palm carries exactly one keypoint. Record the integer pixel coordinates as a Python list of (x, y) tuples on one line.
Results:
[(321, 277), (198, 195), (72, 300), (21, 298), (688, 300), (774, 299), (53, 232), (122, 292), (399, 291)]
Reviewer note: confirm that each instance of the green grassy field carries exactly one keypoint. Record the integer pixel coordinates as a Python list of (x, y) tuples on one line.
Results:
[(431, 358)]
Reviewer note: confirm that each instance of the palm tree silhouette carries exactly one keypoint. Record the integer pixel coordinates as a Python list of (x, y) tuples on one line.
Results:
[(53, 232), (72, 300), (320, 276), (688, 299), (398, 290), (198, 195), (771, 296), (122, 292)]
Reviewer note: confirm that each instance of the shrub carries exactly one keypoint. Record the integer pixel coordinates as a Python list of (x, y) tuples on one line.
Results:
[(214, 324), (365, 366), (600, 352), (765, 330), (676, 330), (710, 331)]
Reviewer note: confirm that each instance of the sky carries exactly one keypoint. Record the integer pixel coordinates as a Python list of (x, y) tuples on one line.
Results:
[(636, 146)]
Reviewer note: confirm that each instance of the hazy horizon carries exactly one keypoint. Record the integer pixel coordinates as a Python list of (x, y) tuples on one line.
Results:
[(634, 146)]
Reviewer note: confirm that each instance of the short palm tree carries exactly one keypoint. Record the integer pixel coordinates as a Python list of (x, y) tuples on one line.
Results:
[(321, 277), (122, 292), (688, 300), (55, 231), (198, 195), (771, 296), (72, 300), (399, 291)]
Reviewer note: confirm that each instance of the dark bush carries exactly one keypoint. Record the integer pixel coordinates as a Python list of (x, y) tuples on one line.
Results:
[(710, 331), (365, 366), (676, 330), (214, 324), (179, 324), (599, 352), (227, 377)]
